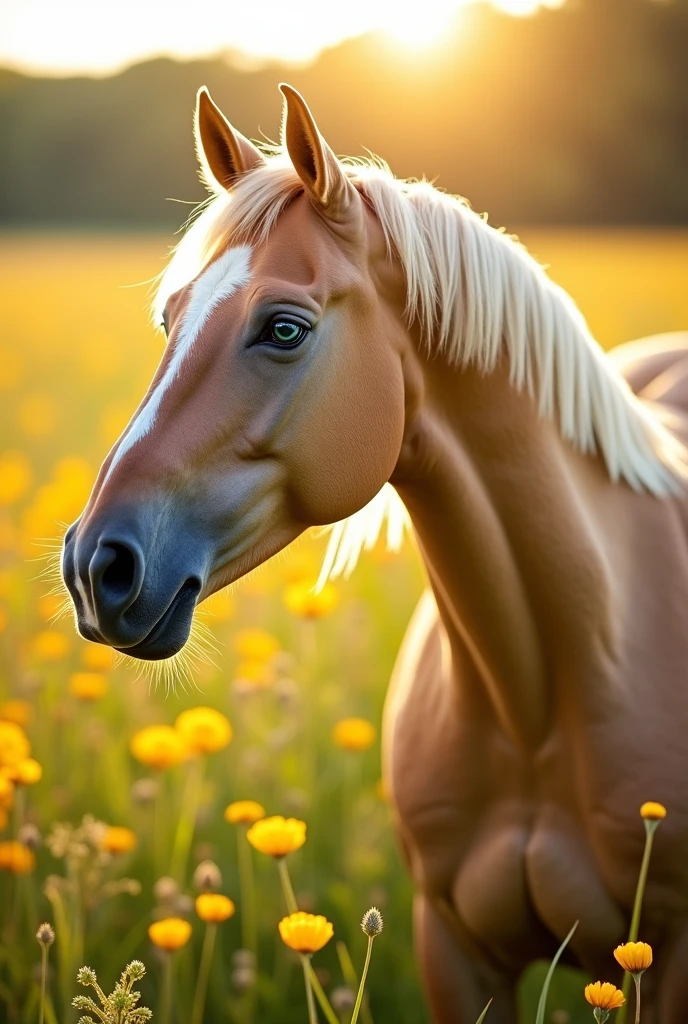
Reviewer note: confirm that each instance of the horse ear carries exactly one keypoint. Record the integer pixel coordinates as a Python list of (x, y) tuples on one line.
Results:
[(223, 152), (313, 160)]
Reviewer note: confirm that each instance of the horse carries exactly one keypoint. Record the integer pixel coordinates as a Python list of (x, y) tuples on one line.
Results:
[(349, 349)]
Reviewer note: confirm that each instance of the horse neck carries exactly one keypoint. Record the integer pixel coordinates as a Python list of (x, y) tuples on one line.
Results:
[(502, 508)]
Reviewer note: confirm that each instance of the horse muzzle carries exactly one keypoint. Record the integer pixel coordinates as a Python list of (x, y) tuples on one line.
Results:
[(134, 586)]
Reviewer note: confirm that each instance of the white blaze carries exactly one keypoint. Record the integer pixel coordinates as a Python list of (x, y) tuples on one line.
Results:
[(217, 283)]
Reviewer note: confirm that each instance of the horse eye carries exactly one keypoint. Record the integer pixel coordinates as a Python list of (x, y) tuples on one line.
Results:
[(286, 333)]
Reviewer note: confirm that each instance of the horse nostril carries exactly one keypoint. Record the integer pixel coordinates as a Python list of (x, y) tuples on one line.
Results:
[(118, 576), (116, 571)]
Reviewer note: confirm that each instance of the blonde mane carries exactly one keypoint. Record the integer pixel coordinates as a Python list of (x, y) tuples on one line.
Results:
[(474, 290)]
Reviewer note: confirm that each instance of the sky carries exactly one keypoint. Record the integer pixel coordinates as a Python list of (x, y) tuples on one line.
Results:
[(68, 36)]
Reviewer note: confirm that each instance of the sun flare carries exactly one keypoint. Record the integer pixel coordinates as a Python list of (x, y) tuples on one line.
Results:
[(70, 38)]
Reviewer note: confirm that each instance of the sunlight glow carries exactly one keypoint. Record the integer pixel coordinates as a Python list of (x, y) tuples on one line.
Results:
[(81, 36), (420, 25)]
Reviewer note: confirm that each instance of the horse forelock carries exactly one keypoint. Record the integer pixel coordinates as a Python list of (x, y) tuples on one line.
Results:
[(476, 293)]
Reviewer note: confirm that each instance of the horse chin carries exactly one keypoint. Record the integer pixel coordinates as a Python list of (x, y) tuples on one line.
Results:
[(170, 633)]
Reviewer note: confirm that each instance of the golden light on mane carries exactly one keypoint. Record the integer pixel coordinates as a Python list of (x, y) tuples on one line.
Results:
[(476, 292)]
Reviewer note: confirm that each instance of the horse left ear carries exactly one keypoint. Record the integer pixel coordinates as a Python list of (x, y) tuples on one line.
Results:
[(328, 187), (223, 152)]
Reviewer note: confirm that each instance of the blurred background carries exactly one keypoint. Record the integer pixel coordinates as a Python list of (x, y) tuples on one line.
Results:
[(565, 121)]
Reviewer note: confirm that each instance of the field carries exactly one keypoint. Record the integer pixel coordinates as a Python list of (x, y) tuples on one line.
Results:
[(76, 353)]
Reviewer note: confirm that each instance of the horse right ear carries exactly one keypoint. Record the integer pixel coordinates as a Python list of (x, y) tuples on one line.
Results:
[(223, 152)]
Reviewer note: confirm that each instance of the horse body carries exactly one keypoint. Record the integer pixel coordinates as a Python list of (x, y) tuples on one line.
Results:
[(525, 722), (332, 331)]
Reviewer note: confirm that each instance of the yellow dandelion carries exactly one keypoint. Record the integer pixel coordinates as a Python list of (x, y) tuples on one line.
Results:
[(255, 645), (170, 934), (6, 788), (214, 908), (604, 995), (14, 744), (277, 836), (97, 657), (634, 957), (204, 730), (17, 711), (244, 812), (17, 858), (305, 933), (26, 772), (652, 811), (259, 675), (159, 746), (354, 734), (303, 600), (87, 685), (50, 645), (117, 839)]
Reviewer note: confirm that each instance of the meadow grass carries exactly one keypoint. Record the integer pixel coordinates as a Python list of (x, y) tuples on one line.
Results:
[(76, 354)]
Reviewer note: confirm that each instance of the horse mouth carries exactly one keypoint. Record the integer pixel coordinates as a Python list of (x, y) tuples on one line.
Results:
[(171, 631)]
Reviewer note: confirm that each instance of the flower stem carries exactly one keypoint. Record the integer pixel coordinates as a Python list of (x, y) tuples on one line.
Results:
[(44, 978), (249, 937), (187, 819), (166, 1000), (359, 997), (292, 907), (312, 1013), (203, 974), (650, 829), (636, 979), (287, 888)]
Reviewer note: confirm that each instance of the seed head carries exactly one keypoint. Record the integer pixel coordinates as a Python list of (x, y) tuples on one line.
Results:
[(207, 876), (86, 976), (45, 934), (372, 923)]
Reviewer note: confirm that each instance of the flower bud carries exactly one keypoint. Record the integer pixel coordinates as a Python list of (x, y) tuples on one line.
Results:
[(372, 922), (45, 934)]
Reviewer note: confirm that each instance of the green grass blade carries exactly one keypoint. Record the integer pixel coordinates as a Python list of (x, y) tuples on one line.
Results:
[(540, 1016), (483, 1015)]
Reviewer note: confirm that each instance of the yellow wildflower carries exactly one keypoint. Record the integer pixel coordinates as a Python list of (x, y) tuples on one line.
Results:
[(17, 711), (634, 957), (244, 812), (50, 646), (87, 685), (256, 645), (17, 858), (14, 744), (303, 600), (652, 811), (604, 995), (97, 657), (214, 908), (170, 934), (117, 839), (6, 788), (258, 674), (354, 734), (204, 730), (25, 772), (15, 477), (277, 836), (305, 933), (159, 746)]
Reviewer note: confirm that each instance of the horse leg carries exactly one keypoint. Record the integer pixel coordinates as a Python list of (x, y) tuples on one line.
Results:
[(457, 989)]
